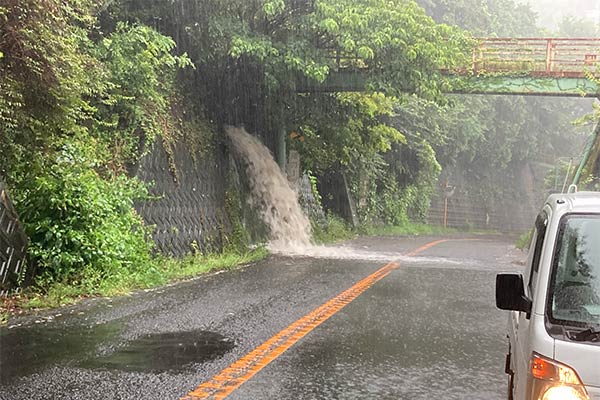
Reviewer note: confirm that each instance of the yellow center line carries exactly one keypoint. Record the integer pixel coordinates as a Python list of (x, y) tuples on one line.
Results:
[(227, 381)]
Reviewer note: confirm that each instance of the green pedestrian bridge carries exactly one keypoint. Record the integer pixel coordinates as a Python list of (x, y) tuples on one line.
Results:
[(565, 67), (500, 66)]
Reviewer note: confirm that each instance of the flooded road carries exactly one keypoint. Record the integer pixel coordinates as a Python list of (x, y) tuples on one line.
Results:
[(426, 329)]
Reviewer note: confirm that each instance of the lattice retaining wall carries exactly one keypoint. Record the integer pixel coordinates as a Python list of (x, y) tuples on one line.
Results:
[(189, 209)]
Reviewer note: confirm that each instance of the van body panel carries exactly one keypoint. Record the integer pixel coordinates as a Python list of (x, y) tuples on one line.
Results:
[(594, 393), (583, 357), (532, 339), (528, 336), (533, 334)]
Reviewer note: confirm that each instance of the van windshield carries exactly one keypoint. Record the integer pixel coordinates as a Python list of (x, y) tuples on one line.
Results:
[(575, 286)]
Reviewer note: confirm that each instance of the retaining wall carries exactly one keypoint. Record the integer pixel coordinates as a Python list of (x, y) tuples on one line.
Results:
[(188, 210)]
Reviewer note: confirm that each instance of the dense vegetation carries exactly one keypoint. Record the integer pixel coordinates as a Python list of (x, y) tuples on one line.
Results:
[(75, 105), (494, 148), (88, 88)]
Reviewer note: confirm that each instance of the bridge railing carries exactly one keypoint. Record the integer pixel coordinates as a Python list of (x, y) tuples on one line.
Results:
[(543, 57), (537, 57)]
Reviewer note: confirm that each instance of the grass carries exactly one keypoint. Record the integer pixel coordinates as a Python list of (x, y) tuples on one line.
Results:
[(160, 272), (524, 240), (408, 229), (333, 229)]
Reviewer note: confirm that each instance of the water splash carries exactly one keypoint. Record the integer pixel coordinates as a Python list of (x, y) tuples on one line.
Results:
[(272, 195), (278, 206)]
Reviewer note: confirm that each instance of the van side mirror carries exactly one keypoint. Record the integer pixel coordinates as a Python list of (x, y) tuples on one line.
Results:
[(510, 293)]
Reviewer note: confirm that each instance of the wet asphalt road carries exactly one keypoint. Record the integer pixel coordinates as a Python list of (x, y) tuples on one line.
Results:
[(427, 330)]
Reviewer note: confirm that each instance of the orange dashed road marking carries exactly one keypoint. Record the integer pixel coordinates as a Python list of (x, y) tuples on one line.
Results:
[(227, 381)]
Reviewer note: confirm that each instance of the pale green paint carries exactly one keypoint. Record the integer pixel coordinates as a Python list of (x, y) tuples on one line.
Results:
[(358, 81), (522, 85)]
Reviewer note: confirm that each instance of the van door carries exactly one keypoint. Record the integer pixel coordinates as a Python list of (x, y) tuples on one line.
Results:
[(521, 322)]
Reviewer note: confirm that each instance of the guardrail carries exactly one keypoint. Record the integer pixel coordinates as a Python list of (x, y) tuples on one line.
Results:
[(13, 247)]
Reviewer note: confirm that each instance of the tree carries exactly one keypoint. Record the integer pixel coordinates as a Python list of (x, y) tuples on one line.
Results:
[(75, 106), (484, 143), (250, 54)]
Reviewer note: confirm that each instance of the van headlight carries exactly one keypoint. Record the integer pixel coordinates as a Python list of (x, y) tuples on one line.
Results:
[(550, 380)]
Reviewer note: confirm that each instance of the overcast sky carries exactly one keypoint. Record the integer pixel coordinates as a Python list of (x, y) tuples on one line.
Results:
[(551, 12)]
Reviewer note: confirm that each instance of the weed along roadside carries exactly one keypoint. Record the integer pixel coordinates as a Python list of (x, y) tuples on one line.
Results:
[(161, 271)]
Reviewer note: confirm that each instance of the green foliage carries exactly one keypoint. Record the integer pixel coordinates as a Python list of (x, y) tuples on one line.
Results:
[(160, 272), (76, 106), (500, 18), (314, 189), (406, 229), (331, 230), (133, 105), (353, 138), (574, 27), (42, 73), (77, 220), (352, 132), (401, 45), (239, 237), (524, 240)]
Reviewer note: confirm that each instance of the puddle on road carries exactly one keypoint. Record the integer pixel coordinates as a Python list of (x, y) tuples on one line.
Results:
[(31, 349), (165, 352)]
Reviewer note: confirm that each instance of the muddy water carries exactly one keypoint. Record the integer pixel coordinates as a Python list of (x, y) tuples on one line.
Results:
[(272, 195), (278, 203), (278, 206)]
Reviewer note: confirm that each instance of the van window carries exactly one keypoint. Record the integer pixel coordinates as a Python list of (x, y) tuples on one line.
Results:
[(541, 224), (574, 296)]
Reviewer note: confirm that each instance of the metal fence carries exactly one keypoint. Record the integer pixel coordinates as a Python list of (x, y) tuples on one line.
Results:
[(13, 247), (462, 212)]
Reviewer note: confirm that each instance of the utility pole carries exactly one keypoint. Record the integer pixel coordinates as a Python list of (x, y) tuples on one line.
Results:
[(590, 157), (281, 154)]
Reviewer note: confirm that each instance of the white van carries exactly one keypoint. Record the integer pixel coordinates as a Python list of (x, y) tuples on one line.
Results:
[(554, 324)]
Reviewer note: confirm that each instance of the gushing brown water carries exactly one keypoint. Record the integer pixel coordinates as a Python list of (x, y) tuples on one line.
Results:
[(279, 208), (272, 195)]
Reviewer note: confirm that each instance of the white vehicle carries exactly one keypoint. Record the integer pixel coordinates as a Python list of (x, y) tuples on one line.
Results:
[(554, 323)]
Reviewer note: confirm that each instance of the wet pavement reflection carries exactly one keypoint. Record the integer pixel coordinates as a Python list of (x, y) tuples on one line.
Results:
[(26, 351), (428, 330), (166, 352)]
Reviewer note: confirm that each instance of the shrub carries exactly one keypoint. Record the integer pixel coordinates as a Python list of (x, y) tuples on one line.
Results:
[(78, 220)]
